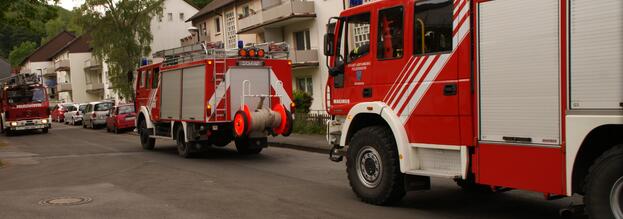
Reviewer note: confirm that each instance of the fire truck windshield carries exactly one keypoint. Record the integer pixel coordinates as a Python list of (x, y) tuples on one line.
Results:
[(30, 95)]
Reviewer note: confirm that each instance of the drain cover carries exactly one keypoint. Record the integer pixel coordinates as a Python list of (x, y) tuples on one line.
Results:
[(66, 201)]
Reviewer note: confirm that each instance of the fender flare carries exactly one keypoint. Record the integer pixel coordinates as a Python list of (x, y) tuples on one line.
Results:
[(145, 113), (392, 120)]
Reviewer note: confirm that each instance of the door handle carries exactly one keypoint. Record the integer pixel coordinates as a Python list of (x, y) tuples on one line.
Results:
[(449, 90)]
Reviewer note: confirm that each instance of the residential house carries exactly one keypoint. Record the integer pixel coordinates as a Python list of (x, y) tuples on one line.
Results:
[(299, 23), (39, 61), (5, 69), (78, 72)]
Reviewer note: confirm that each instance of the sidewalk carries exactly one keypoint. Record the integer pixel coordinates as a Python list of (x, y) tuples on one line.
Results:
[(313, 143)]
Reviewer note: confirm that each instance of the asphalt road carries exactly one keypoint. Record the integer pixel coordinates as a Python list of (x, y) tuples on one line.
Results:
[(121, 180)]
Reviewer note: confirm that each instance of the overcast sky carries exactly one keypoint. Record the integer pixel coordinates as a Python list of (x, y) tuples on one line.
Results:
[(68, 4)]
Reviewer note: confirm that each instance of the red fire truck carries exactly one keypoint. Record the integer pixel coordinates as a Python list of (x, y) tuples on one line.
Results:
[(24, 105), (201, 96), (493, 94)]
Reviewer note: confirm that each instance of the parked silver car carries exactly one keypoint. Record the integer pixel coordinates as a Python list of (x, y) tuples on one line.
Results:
[(74, 116), (95, 114)]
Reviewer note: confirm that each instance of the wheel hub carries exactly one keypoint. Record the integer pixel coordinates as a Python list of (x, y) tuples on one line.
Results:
[(369, 167), (616, 198)]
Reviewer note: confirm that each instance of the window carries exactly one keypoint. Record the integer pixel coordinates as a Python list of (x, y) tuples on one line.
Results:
[(432, 27), (154, 80), (217, 24), (146, 83), (103, 106), (181, 16), (302, 40), (204, 29), (230, 25), (356, 37), (170, 16), (390, 42), (305, 85), (141, 79), (246, 11)]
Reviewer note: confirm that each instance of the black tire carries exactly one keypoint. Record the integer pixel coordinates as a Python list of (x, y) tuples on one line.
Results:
[(603, 176), (9, 133), (146, 142), (184, 149), (249, 146), (469, 185), (387, 187), (115, 130), (44, 131)]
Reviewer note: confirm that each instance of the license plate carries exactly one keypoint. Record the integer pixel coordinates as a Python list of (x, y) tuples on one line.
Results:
[(29, 127), (250, 63), (129, 118)]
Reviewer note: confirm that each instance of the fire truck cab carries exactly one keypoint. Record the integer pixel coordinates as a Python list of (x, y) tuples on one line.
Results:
[(24, 105), (202, 96), (493, 94)]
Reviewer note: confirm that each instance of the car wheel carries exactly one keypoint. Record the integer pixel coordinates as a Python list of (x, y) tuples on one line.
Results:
[(604, 185), (372, 166), (44, 130), (184, 149), (146, 142), (115, 130)]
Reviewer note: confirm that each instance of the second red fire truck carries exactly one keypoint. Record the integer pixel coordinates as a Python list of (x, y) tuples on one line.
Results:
[(497, 95), (201, 96), (24, 105)]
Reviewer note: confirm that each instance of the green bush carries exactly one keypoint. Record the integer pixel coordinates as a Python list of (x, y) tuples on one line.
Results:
[(306, 123), (303, 101)]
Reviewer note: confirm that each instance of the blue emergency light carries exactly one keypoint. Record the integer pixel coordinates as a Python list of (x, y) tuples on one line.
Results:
[(240, 44), (353, 3)]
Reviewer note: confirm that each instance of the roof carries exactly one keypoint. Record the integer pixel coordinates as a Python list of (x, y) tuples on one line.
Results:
[(191, 4), (77, 45), (47, 50), (216, 4)]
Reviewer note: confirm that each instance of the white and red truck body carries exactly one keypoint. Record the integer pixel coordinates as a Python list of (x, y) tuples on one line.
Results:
[(528, 96), (202, 90), (24, 104)]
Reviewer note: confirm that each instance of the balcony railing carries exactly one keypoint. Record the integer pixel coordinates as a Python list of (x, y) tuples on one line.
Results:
[(61, 65), (63, 87), (302, 57), (49, 71), (95, 86), (250, 21), (92, 64), (288, 8), (277, 13)]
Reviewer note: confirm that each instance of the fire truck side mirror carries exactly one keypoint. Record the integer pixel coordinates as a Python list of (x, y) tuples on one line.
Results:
[(329, 44)]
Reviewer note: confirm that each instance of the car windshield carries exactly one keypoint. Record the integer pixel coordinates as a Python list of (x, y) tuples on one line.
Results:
[(70, 108), (103, 106), (126, 109), (82, 107), (30, 95)]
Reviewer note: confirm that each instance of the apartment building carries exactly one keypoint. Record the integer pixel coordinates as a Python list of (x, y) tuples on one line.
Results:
[(40, 61), (78, 72), (299, 23)]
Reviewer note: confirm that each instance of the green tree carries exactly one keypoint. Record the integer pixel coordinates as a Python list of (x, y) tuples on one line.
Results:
[(20, 52), (22, 21), (66, 20), (199, 3), (121, 35)]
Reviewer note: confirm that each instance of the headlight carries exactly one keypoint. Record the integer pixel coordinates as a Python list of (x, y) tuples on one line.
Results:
[(44, 121), (13, 123)]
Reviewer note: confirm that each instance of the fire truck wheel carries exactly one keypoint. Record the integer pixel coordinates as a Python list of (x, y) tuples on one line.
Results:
[(604, 185), (44, 130), (184, 149), (372, 166), (146, 142), (250, 145)]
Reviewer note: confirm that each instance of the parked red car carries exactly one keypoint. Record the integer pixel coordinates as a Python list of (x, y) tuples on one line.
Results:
[(58, 112), (121, 118)]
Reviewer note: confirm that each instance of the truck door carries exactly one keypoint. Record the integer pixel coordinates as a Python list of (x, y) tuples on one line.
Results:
[(519, 94)]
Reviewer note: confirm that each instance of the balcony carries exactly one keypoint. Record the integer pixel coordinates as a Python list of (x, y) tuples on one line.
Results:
[(93, 87), (63, 87), (92, 64), (61, 65), (278, 13), (49, 71), (302, 58)]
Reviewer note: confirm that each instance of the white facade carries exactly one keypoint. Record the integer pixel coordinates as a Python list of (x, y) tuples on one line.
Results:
[(170, 26)]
